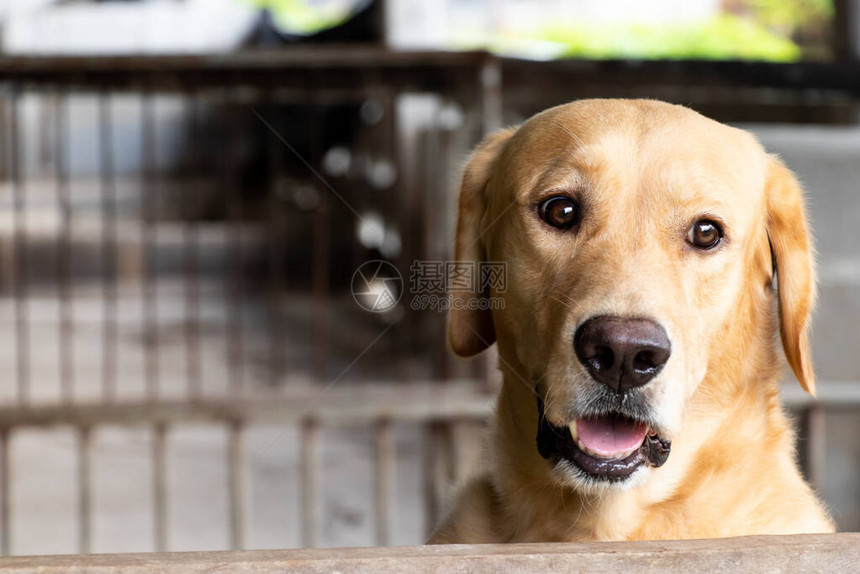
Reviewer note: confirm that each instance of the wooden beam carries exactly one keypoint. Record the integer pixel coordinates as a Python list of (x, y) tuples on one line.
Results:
[(801, 553), (355, 404), (418, 402), (351, 68)]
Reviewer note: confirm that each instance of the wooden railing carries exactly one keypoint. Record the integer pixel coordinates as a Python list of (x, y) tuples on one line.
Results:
[(458, 407), (798, 553), (440, 408)]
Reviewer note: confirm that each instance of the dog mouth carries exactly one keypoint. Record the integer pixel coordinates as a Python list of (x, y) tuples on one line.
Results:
[(607, 447)]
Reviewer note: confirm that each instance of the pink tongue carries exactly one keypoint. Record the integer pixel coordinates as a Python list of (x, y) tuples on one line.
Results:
[(609, 436)]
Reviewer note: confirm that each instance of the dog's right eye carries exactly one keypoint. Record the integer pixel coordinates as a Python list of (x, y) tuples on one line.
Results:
[(561, 212), (705, 234)]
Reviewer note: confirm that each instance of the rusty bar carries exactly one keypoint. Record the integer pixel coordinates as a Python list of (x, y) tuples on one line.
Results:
[(5, 173), (43, 124), (109, 249), (440, 366), (5, 489), (235, 267), (408, 218), (8, 92), (320, 261), (159, 484), (64, 251), (149, 268), (275, 247), (384, 480), (310, 482), (236, 476), (320, 277), (19, 238), (191, 278), (386, 136), (431, 510), (405, 215), (85, 515), (343, 72)]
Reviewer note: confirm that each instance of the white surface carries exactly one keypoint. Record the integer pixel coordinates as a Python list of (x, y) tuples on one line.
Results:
[(156, 26)]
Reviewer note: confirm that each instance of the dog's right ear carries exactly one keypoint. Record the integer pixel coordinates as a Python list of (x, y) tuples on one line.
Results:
[(470, 328), (791, 245)]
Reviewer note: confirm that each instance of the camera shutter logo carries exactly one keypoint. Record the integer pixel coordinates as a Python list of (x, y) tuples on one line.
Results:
[(377, 286)]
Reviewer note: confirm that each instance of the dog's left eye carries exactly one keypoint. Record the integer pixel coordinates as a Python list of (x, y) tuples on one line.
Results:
[(560, 212), (705, 234)]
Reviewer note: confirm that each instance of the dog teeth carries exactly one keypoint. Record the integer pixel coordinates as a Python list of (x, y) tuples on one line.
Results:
[(575, 436), (586, 450), (616, 456)]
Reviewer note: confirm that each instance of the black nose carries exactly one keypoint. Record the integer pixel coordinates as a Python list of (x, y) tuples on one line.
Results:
[(622, 353)]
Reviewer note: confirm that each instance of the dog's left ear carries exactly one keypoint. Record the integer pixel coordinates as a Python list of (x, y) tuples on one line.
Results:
[(790, 242), (470, 328)]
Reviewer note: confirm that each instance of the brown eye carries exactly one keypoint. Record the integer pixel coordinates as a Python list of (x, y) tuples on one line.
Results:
[(560, 212), (705, 234)]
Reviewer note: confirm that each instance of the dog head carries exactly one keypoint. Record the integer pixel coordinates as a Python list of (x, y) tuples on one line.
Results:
[(641, 240)]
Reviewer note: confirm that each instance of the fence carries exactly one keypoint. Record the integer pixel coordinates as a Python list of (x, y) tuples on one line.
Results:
[(178, 239), (180, 234)]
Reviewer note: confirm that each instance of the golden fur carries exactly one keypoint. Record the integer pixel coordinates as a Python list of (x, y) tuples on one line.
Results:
[(646, 170)]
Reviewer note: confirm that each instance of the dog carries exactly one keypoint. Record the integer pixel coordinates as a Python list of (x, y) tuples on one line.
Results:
[(652, 255)]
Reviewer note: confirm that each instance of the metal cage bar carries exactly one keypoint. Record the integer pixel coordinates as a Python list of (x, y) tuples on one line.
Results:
[(5, 488), (149, 260), (191, 242), (274, 249), (384, 480), (309, 436), (108, 248), (234, 282), (159, 486), (19, 241), (64, 251), (85, 504), (236, 485)]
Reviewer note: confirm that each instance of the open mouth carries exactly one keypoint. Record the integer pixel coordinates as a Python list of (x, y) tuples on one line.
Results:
[(608, 447)]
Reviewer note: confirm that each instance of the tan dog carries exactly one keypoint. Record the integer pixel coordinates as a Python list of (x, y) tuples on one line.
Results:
[(637, 339)]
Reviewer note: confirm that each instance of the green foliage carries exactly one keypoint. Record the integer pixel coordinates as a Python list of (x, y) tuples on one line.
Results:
[(300, 17), (790, 15), (724, 37)]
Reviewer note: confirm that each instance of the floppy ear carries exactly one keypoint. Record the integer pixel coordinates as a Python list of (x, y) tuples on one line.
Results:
[(470, 328), (790, 242)]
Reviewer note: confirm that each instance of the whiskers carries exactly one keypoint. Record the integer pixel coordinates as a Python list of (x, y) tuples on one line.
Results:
[(569, 303)]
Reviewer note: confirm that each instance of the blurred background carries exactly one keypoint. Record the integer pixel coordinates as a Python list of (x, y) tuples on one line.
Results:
[(188, 187)]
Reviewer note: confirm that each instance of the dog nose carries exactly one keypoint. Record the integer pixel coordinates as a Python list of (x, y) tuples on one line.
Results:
[(622, 353)]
